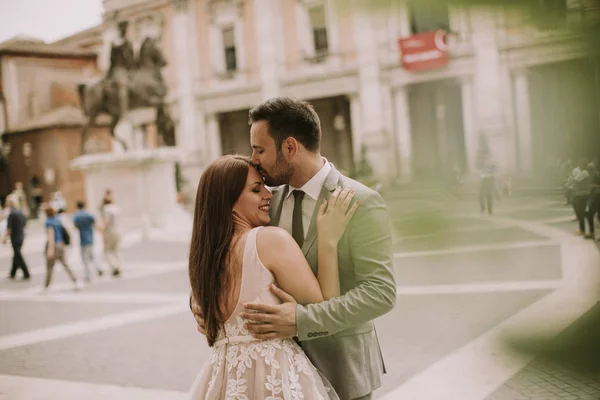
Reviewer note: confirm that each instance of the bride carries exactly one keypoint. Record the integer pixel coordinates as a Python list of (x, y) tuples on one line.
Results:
[(234, 258)]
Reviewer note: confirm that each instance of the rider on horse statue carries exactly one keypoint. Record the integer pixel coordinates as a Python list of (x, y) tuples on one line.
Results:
[(122, 61)]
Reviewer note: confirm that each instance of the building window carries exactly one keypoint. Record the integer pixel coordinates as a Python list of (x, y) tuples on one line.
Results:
[(229, 49), (319, 31), (429, 16)]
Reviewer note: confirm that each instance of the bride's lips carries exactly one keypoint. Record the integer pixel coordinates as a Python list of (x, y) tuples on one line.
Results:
[(265, 207)]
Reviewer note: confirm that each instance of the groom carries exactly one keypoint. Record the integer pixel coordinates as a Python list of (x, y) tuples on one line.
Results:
[(337, 335)]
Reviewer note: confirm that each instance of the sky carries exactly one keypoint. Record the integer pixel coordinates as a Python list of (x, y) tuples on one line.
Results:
[(48, 20)]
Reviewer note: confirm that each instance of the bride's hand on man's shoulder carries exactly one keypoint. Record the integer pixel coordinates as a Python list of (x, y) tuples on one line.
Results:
[(335, 214)]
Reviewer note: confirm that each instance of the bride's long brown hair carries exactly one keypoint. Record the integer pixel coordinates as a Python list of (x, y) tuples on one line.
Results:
[(220, 186)]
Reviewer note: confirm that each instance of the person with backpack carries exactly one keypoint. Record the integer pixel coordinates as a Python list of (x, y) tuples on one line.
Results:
[(55, 247)]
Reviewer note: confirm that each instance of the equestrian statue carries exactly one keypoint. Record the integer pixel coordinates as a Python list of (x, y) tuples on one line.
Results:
[(127, 85)]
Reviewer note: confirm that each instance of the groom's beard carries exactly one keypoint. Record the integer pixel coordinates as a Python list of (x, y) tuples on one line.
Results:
[(282, 172)]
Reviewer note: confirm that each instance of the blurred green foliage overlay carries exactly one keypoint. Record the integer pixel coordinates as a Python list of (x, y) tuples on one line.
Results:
[(541, 13)]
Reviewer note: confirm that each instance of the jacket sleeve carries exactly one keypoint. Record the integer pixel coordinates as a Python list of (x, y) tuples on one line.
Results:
[(370, 247)]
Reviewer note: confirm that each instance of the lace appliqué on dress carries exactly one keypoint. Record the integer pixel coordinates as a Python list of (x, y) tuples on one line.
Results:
[(242, 357)]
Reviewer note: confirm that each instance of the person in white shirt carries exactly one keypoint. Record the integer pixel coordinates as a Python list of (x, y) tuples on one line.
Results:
[(112, 238)]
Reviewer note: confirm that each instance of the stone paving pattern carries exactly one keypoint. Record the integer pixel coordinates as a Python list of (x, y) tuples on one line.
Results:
[(165, 353)]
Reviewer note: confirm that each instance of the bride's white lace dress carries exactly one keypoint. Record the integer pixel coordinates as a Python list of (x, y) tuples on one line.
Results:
[(243, 368)]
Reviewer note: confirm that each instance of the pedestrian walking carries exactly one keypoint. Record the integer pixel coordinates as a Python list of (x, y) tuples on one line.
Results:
[(581, 194), (593, 204), (15, 230), (85, 222), (55, 247), (112, 238), (487, 188)]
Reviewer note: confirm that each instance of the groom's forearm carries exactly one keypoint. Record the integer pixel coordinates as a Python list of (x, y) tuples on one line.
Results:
[(370, 245), (362, 304)]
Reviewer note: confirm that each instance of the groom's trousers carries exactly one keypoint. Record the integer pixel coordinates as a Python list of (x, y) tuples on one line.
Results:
[(367, 397)]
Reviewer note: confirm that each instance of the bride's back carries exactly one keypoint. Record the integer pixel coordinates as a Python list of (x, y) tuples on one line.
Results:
[(235, 268), (249, 278)]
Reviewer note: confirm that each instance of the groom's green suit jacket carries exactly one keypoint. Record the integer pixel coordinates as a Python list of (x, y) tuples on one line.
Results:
[(338, 335)]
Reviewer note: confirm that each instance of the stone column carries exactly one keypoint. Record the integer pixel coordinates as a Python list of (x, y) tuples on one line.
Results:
[(356, 124), (374, 135), (387, 101), (304, 30), (523, 120), (190, 130), (193, 40), (403, 133), (186, 132), (11, 92), (469, 126), (213, 136), (487, 83), (403, 19), (266, 32), (216, 50)]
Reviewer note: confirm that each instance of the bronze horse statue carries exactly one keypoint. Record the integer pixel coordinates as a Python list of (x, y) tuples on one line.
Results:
[(146, 88)]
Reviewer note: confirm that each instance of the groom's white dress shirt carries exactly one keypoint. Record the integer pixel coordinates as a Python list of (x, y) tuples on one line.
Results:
[(312, 189)]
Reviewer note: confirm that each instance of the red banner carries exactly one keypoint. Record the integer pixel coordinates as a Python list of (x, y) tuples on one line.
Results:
[(424, 51)]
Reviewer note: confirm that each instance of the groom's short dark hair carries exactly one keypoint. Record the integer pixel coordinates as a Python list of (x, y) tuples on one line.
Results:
[(287, 117)]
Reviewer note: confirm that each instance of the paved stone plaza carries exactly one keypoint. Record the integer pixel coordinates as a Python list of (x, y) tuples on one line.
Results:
[(464, 280)]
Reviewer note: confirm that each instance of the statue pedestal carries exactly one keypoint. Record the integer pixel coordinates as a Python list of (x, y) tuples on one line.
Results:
[(143, 185)]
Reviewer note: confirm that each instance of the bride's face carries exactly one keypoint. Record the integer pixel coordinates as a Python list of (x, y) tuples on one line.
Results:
[(253, 204)]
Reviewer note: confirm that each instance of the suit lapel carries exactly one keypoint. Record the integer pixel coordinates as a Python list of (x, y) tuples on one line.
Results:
[(331, 182), (279, 195)]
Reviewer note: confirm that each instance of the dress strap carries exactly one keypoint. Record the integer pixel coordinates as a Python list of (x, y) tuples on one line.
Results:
[(249, 266), (250, 247)]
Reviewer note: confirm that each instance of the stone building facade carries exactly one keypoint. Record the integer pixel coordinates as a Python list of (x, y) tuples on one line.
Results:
[(527, 89), (40, 116)]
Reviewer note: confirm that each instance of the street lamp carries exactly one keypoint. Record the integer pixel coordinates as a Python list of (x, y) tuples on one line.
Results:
[(27, 150)]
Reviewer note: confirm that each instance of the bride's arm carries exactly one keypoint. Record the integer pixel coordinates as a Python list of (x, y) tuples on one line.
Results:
[(281, 255)]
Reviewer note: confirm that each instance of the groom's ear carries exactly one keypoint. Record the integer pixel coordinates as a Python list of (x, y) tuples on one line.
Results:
[(290, 146)]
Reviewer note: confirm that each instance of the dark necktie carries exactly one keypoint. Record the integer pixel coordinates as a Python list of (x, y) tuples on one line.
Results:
[(297, 228)]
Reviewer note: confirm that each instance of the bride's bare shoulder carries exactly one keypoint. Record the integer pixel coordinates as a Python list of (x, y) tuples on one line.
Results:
[(272, 234), (272, 242)]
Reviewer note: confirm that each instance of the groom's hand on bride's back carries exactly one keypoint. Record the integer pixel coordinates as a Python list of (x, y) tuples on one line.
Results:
[(267, 321), (198, 315)]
